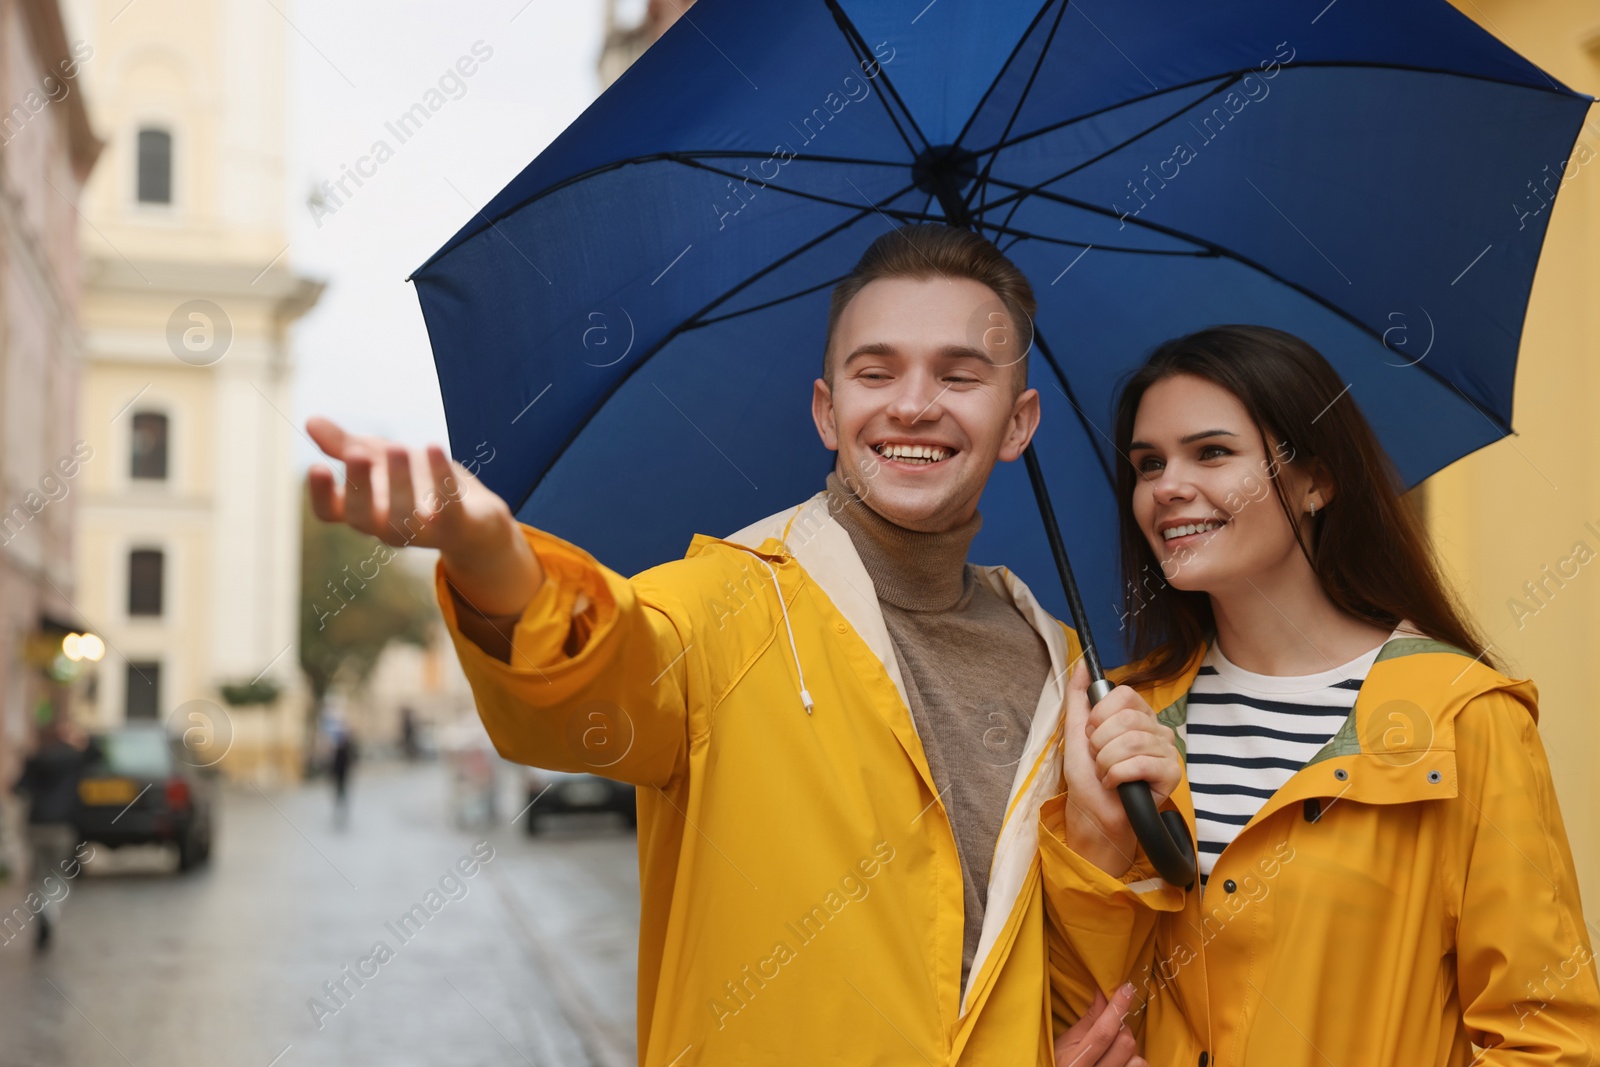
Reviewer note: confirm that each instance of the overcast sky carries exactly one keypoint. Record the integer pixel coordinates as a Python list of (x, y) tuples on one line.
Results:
[(362, 353)]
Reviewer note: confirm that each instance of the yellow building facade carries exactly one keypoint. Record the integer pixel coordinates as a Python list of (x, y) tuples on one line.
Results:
[(1518, 523), (188, 540)]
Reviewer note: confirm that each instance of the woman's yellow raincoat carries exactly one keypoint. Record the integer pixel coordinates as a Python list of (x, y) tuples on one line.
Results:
[(1407, 894), (802, 896)]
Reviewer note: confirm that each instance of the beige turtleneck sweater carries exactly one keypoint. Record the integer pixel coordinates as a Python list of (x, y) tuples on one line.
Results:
[(973, 670)]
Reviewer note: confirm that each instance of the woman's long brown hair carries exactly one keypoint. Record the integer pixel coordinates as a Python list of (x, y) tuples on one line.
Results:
[(1367, 546)]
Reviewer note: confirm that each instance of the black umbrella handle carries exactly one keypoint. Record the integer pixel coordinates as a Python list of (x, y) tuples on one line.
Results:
[(1163, 834)]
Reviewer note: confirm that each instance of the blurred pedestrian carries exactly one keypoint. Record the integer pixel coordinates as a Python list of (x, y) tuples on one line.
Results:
[(50, 779), (408, 734), (344, 757)]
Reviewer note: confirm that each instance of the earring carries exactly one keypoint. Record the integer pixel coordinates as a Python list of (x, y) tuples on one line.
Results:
[(1313, 511)]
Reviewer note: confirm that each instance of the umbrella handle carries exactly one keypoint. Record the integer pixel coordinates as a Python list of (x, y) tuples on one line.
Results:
[(1164, 835)]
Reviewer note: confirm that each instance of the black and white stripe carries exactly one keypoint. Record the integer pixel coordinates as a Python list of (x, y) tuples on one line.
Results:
[(1247, 734)]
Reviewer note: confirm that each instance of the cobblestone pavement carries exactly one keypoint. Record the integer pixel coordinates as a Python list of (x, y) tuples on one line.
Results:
[(529, 960)]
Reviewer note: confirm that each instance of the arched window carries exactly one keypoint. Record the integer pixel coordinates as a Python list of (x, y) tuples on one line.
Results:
[(155, 166), (148, 454)]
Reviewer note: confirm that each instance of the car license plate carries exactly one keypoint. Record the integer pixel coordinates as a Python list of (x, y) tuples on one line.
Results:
[(584, 793), (107, 791)]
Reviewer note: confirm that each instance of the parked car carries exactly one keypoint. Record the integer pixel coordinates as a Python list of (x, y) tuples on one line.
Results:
[(564, 793), (143, 792)]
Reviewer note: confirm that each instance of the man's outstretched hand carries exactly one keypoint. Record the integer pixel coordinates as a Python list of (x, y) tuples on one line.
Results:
[(1100, 1039), (422, 497)]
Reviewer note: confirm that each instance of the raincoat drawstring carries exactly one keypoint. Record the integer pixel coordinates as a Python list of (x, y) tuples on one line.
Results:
[(805, 695)]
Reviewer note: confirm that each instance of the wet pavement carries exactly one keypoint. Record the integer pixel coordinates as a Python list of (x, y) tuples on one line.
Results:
[(399, 939)]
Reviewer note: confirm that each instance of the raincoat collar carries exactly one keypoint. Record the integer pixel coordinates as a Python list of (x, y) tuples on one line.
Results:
[(1398, 743)]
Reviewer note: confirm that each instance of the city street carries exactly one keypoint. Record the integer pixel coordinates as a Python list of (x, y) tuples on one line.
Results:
[(527, 959)]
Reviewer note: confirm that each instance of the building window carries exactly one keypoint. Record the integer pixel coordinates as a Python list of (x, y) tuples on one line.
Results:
[(149, 450), (155, 167), (144, 581), (144, 691)]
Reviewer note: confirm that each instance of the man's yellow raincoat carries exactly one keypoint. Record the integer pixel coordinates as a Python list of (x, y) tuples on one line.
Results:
[(1407, 894), (802, 896)]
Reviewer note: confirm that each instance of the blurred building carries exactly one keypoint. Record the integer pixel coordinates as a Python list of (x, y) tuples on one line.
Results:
[(631, 27), (188, 550), (426, 680), (46, 153), (1519, 522)]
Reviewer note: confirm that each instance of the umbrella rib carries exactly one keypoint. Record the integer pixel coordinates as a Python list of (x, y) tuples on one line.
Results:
[(1016, 199), (859, 45), (762, 307), (1021, 235), (861, 213), (1309, 65), (686, 325), (737, 154), (1097, 112), (1027, 235), (1066, 389), (604, 168), (1001, 73), (811, 196), (982, 188), (1243, 260)]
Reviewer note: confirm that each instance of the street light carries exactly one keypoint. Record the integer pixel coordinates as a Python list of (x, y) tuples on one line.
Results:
[(83, 646)]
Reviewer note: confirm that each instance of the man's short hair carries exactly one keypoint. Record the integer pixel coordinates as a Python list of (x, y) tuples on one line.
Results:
[(934, 250)]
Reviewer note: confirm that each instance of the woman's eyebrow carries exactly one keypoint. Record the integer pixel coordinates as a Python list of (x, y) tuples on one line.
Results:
[(1189, 439)]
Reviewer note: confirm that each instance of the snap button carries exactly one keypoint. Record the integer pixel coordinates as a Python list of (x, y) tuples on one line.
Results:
[(842, 627), (1341, 774), (1435, 777), (1230, 885)]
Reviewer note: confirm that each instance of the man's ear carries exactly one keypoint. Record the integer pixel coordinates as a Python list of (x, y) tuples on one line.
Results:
[(1021, 426), (822, 414)]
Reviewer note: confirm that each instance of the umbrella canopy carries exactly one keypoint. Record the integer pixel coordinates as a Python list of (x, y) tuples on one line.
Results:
[(627, 334)]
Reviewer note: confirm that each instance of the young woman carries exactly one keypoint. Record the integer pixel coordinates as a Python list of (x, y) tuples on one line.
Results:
[(1384, 874)]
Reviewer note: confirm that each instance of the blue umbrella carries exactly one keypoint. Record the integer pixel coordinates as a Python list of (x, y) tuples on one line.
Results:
[(626, 335)]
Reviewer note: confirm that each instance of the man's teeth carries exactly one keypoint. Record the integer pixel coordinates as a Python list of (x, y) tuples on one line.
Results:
[(913, 453), (1192, 528)]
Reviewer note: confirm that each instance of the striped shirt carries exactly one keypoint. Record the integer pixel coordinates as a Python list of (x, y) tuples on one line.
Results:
[(1247, 734)]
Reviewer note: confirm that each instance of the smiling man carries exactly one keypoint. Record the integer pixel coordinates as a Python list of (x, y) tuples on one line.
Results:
[(840, 730)]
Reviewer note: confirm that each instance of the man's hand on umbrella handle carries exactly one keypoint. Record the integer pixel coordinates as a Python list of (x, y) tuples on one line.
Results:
[(1100, 1038), (422, 497), (1118, 740)]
